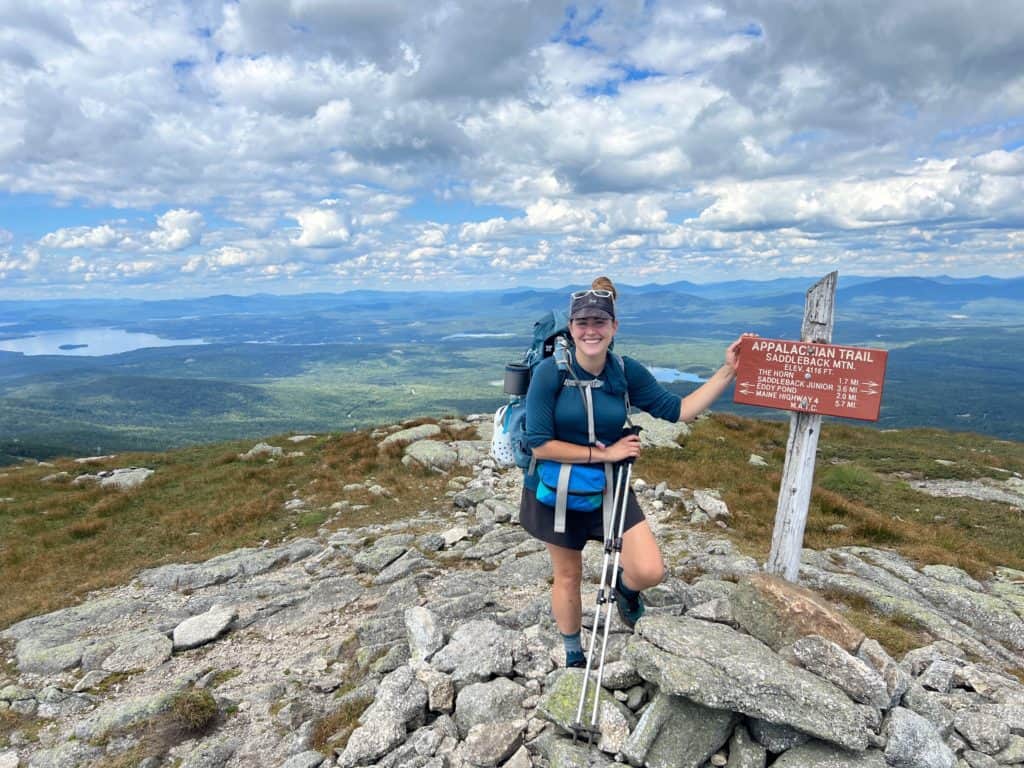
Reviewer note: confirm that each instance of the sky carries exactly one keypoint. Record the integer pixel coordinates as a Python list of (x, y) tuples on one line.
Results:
[(189, 148)]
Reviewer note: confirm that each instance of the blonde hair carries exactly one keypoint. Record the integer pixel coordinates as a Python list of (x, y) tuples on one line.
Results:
[(603, 283)]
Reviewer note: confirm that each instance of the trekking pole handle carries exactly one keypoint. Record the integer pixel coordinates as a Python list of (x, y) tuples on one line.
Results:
[(632, 429)]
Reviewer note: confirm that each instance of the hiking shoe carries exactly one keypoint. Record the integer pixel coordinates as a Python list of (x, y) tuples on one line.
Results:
[(630, 611), (575, 660)]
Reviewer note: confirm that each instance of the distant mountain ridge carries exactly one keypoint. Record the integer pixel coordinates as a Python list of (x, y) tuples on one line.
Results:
[(319, 360)]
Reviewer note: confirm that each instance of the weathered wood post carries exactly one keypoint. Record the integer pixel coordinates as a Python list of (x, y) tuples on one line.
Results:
[(802, 446)]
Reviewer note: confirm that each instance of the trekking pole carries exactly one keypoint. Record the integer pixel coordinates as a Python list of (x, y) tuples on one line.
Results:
[(612, 544), (577, 727), (622, 496)]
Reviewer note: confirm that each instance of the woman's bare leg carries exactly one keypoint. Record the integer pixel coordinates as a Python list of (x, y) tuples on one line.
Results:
[(566, 605), (641, 561)]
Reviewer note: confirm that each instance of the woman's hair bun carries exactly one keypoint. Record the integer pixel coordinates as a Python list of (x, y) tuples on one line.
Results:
[(604, 284)]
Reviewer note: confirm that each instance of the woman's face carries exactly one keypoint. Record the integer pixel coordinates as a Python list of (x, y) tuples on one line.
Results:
[(593, 335)]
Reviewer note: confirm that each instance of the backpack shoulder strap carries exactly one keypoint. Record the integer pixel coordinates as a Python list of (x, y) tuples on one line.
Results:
[(625, 396)]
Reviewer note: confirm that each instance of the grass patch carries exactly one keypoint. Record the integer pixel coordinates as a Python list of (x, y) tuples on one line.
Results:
[(332, 731), (193, 710), (896, 633), (192, 713), (12, 721), (858, 483)]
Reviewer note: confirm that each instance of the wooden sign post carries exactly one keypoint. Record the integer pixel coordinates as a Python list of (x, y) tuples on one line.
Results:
[(811, 377), (802, 446)]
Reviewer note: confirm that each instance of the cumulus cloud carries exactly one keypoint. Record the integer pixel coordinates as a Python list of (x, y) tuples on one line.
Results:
[(100, 237), (310, 140), (321, 228), (177, 229)]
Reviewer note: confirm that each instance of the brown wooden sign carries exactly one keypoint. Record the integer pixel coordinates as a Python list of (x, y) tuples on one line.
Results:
[(827, 379)]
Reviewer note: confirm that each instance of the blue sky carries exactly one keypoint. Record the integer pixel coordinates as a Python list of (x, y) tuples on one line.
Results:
[(178, 149)]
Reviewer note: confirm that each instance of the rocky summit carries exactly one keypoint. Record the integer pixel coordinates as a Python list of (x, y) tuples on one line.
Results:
[(428, 643)]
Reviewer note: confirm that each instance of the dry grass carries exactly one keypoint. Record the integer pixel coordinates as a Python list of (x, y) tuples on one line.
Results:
[(877, 508), (59, 541)]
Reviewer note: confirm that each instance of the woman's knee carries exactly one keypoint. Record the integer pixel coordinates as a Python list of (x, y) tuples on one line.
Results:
[(646, 574), (567, 578)]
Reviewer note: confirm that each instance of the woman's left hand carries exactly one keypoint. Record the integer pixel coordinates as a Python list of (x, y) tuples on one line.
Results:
[(732, 352)]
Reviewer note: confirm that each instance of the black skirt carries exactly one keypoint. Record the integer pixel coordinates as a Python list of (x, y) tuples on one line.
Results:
[(580, 527)]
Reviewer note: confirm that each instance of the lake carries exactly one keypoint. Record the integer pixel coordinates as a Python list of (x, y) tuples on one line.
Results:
[(89, 342), (670, 375)]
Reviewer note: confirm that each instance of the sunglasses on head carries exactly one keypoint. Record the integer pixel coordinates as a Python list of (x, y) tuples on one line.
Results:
[(604, 294)]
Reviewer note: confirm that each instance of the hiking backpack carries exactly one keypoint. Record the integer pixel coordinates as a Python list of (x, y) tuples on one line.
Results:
[(551, 337)]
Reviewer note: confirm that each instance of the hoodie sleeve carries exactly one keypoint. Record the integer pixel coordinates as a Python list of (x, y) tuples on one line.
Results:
[(540, 403)]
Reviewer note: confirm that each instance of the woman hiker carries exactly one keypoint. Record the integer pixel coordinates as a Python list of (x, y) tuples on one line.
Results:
[(557, 431)]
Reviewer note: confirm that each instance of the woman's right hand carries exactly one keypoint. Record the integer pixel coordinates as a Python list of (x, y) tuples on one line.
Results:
[(626, 448)]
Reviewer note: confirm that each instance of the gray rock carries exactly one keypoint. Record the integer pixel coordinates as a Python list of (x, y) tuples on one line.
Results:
[(407, 564), (756, 460), (470, 497), (424, 633), (430, 542), (204, 628), (719, 610), (657, 433), (619, 675), (818, 754), (722, 669), (560, 752), (440, 689), (985, 733), (211, 754), (70, 754), (776, 738), (492, 702), (411, 435), (261, 450), (1013, 753), (744, 752), (979, 759), (454, 535), (308, 759), (852, 675), (431, 454), (37, 658), (121, 479), (951, 575), (495, 511), (490, 744), (938, 676), (532, 657), (561, 700), (399, 694), (919, 659), (121, 716), (913, 742), (896, 679), (227, 567), (138, 651), (372, 741), (9, 759), (711, 504), (377, 558), (521, 759), (930, 706), (477, 651), (690, 736)]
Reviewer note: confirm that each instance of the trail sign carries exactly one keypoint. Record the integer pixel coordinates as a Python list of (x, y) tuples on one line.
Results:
[(826, 379)]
